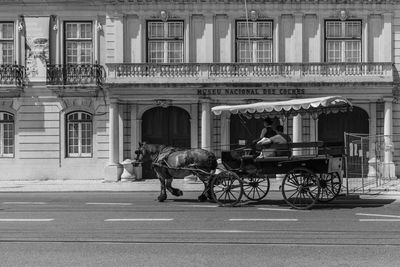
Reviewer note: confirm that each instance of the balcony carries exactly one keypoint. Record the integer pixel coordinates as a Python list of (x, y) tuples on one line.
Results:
[(249, 72), (12, 75), (75, 74), (12, 78)]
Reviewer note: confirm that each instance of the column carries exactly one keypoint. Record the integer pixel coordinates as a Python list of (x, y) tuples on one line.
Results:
[(136, 131), (205, 125), (121, 133), (297, 133), (225, 131), (388, 165), (113, 169), (194, 126), (372, 164)]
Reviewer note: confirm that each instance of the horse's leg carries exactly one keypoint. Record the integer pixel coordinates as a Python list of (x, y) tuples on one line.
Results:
[(163, 192), (204, 195), (174, 191)]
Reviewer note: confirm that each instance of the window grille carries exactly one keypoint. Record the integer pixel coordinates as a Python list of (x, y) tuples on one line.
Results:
[(254, 41), (6, 135), (79, 134), (78, 43), (6, 43), (343, 41), (165, 42)]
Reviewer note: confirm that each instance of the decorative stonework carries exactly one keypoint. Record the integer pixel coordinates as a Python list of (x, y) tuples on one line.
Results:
[(164, 15), (86, 103), (164, 103)]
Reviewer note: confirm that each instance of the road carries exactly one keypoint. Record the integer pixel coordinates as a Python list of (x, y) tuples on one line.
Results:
[(132, 229)]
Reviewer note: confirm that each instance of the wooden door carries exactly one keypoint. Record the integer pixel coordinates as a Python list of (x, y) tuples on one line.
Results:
[(168, 126)]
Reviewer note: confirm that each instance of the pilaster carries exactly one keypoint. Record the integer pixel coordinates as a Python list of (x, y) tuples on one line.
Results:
[(297, 132), (205, 124)]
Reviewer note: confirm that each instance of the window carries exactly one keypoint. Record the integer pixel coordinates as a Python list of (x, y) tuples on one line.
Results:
[(254, 41), (165, 42), (79, 134), (6, 134), (6, 43), (343, 41), (78, 43)]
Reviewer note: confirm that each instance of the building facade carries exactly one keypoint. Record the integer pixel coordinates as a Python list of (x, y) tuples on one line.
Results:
[(83, 82)]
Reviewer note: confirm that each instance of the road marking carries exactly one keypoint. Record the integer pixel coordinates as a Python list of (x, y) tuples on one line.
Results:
[(265, 220), (378, 215), (198, 206), (26, 220), (379, 220), (274, 209), (103, 203), (138, 220), (25, 203)]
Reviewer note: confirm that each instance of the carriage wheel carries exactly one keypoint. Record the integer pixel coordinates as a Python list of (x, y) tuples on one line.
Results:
[(331, 185), (256, 188), (226, 188), (300, 188)]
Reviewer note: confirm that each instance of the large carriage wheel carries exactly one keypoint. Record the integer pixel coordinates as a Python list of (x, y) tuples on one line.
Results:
[(256, 187), (300, 188), (330, 184), (226, 188)]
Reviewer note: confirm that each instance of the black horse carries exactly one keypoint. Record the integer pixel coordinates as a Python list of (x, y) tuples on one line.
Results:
[(171, 162)]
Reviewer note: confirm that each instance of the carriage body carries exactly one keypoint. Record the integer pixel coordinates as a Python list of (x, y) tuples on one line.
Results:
[(312, 174)]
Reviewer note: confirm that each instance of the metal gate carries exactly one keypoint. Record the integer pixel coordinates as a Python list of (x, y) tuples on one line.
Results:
[(369, 162)]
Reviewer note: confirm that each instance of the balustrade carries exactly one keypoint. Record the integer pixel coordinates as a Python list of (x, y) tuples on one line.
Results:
[(237, 70), (12, 75), (73, 74)]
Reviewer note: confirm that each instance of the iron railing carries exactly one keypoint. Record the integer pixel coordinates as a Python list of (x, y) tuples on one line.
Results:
[(12, 75), (231, 70), (75, 74)]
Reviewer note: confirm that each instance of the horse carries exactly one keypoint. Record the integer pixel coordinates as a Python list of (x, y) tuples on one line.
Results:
[(171, 162)]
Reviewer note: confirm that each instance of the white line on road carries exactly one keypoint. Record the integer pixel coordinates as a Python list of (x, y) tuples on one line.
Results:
[(25, 203), (379, 220), (274, 209), (378, 215), (103, 203), (26, 220), (265, 220), (198, 206), (138, 220)]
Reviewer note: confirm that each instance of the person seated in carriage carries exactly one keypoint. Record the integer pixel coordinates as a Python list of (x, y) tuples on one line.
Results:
[(278, 139)]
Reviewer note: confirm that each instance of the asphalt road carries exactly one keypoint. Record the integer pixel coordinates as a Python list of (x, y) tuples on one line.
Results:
[(132, 229)]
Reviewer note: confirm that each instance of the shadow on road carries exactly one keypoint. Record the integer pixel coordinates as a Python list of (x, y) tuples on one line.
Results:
[(343, 203)]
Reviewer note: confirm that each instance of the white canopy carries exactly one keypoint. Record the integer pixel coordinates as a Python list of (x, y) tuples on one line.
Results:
[(290, 107)]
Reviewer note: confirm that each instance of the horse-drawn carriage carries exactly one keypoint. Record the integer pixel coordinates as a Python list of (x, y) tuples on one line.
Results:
[(312, 172)]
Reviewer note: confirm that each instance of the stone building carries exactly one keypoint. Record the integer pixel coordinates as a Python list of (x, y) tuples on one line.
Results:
[(82, 82)]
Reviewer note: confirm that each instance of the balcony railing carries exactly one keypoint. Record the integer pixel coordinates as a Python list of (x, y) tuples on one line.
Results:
[(75, 74), (283, 71), (12, 75)]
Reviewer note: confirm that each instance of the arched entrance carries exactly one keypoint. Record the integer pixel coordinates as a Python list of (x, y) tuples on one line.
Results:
[(331, 128), (242, 128), (168, 126)]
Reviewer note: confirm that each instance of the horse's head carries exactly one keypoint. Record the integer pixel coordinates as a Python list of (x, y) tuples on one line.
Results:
[(147, 152)]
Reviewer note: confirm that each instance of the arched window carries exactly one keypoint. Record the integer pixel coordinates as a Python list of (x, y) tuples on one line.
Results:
[(79, 134), (6, 134)]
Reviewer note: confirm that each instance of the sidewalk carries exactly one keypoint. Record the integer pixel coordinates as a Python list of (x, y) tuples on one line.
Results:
[(392, 187)]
